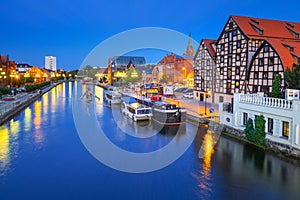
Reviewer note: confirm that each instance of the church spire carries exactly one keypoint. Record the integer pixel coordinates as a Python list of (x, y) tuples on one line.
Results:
[(190, 49)]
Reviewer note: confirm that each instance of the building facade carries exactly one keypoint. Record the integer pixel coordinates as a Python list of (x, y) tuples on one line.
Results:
[(50, 63), (8, 71), (249, 51), (282, 116), (204, 71)]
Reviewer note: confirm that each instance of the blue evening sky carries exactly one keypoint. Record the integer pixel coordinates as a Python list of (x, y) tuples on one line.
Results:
[(70, 29)]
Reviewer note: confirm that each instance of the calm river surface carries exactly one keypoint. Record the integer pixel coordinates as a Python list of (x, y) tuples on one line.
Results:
[(42, 156)]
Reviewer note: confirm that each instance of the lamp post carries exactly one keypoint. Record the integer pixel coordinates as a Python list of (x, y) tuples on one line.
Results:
[(207, 94)]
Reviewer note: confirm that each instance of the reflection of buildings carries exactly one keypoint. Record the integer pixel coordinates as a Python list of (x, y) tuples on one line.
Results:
[(242, 162), (7, 71), (249, 53)]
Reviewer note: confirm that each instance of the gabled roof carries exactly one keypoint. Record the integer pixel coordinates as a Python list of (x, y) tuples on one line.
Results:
[(270, 28), (281, 47), (208, 43)]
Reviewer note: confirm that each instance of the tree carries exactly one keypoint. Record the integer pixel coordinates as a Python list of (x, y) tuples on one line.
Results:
[(257, 134), (260, 129), (249, 130), (29, 79), (132, 76), (164, 79), (292, 77), (276, 87)]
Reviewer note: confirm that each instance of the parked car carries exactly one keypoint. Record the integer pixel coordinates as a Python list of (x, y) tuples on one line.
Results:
[(188, 95)]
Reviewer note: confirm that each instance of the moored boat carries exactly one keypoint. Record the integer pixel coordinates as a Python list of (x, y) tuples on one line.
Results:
[(167, 114), (135, 110), (112, 97)]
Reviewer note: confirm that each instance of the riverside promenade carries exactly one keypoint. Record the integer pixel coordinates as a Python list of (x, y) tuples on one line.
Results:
[(8, 109)]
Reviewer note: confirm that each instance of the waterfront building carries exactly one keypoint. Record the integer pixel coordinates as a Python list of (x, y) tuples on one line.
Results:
[(177, 69), (121, 63), (8, 71), (22, 68), (282, 117), (37, 74), (249, 51), (50, 63), (204, 70)]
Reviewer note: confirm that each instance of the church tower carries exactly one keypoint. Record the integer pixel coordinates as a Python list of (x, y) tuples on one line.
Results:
[(190, 49)]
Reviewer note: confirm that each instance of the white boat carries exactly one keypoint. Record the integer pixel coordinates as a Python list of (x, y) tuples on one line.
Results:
[(112, 97), (134, 110)]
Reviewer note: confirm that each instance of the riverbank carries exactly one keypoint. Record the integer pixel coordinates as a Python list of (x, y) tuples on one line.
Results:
[(11, 108)]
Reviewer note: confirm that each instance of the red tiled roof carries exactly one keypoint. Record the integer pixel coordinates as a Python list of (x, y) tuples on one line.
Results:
[(271, 28), (208, 43), (4, 59), (285, 54)]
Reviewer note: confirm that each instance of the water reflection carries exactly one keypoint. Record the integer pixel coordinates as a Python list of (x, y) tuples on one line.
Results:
[(4, 147), (27, 119)]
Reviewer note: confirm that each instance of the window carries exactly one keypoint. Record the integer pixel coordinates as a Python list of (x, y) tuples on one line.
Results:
[(221, 71), (226, 35), (265, 75), (256, 75), (260, 62), (237, 71), (239, 44), (255, 88), (237, 84), (238, 57), (285, 129), (234, 32), (230, 36), (270, 125), (229, 63), (207, 62), (222, 59), (222, 47), (230, 48), (228, 85), (231, 25), (229, 73), (267, 48), (245, 118), (271, 61)]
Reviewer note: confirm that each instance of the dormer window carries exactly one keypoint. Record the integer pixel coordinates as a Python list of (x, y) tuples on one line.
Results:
[(258, 30), (294, 33), (290, 25), (255, 21)]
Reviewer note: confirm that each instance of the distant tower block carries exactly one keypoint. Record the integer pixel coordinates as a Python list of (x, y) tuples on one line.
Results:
[(50, 63)]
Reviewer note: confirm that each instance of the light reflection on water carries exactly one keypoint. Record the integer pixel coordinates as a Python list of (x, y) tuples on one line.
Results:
[(230, 170)]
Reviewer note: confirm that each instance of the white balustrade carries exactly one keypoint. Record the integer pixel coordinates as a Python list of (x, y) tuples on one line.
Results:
[(265, 101)]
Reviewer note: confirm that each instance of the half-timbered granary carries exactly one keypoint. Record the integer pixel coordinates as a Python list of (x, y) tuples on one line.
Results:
[(249, 51), (204, 70)]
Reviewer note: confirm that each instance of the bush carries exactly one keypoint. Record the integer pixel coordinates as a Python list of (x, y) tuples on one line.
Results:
[(4, 90), (256, 134), (30, 88)]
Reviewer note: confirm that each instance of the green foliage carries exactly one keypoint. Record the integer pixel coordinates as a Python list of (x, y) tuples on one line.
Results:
[(292, 77), (249, 130), (164, 79), (30, 88), (260, 129), (276, 87), (29, 80), (88, 71), (57, 78), (132, 76), (4, 90), (257, 134)]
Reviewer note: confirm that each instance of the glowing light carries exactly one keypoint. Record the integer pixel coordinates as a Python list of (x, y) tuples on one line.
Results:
[(4, 147), (14, 127), (27, 119)]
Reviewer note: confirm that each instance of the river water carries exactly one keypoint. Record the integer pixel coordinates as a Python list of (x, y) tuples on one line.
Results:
[(44, 155)]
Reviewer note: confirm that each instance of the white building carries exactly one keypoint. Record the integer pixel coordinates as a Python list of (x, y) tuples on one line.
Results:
[(282, 116), (50, 63)]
